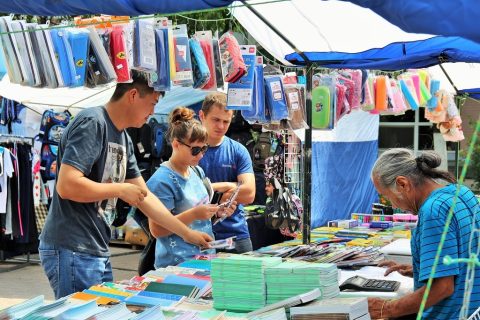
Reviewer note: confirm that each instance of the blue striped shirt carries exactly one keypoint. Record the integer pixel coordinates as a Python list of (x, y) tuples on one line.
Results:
[(426, 238)]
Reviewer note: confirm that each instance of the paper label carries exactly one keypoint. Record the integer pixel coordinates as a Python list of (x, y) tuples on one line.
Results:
[(294, 100), (276, 90), (240, 97)]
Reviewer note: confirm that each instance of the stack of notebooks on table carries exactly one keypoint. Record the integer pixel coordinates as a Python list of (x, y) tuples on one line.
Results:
[(238, 282), (332, 309), (296, 277), (71, 308)]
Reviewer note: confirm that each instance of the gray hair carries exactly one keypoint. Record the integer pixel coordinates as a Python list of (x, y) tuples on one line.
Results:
[(402, 162)]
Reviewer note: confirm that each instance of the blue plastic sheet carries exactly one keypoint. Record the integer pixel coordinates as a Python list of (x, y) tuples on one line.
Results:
[(341, 182), (112, 7), (398, 55), (448, 18)]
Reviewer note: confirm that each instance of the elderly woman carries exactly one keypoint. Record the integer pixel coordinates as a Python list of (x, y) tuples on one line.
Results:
[(415, 184)]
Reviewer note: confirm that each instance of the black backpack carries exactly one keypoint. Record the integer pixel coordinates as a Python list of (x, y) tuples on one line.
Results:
[(261, 150)]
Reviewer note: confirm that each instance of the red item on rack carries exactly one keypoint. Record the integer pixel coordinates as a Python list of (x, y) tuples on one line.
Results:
[(232, 61), (118, 49), (208, 53)]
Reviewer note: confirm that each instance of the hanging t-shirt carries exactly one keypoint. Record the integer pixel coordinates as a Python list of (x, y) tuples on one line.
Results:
[(92, 144), (178, 194), (6, 172), (224, 163)]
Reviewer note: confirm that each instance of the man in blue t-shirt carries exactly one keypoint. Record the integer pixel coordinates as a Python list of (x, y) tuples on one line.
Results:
[(226, 163), (413, 183)]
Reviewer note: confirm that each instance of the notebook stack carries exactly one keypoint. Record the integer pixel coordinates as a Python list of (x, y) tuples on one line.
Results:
[(332, 309), (292, 278), (238, 282)]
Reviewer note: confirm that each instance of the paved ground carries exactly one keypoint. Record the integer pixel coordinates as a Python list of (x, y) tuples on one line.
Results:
[(30, 281)]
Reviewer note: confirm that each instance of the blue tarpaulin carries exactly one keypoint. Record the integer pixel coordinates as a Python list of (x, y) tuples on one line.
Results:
[(112, 7), (473, 93), (399, 55), (342, 160), (442, 17)]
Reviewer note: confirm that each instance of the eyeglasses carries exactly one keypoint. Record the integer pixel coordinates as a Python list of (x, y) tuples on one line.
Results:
[(195, 150)]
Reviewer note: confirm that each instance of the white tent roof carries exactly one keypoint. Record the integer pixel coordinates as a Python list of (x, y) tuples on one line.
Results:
[(323, 26), (40, 99)]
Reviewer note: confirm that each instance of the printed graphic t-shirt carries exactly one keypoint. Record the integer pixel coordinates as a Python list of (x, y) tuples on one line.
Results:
[(92, 144), (178, 194)]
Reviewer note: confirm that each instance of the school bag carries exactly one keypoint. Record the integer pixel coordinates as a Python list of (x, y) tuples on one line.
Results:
[(261, 151), (52, 126)]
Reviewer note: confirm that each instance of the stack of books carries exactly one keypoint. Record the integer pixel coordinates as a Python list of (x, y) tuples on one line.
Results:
[(332, 309), (238, 282), (70, 308), (292, 278)]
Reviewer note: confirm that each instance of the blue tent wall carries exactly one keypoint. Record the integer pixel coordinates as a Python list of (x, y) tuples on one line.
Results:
[(440, 17), (398, 55), (112, 7)]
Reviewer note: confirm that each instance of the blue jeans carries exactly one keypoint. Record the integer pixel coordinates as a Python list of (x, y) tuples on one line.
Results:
[(69, 271)]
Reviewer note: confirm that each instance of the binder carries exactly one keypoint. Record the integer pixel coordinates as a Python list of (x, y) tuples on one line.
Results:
[(12, 58), (100, 69), (37, 53), (54, 75), (32, 76)]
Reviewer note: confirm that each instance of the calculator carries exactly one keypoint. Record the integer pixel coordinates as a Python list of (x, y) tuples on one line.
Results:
[(358, 283)]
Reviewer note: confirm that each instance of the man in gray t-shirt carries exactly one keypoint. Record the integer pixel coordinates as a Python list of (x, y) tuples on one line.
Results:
[(96, 166)]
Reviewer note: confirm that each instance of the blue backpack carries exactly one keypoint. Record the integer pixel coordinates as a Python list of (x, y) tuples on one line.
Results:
[(51, 129)]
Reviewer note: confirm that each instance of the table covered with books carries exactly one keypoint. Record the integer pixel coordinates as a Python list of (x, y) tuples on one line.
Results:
[(284, 281)]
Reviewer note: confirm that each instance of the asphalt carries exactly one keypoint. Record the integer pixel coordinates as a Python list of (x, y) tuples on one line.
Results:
[(21, 280)]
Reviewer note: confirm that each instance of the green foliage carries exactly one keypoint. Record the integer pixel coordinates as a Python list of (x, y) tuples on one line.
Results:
[(473, 171)]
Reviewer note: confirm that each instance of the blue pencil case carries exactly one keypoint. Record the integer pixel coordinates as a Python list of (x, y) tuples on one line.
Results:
[(201, 73), (79, 42), (275, 98), (163, 62), (64, 55), (257, 113)]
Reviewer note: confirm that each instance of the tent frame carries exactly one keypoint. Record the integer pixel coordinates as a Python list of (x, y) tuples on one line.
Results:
[(307, 159), (309, 67)]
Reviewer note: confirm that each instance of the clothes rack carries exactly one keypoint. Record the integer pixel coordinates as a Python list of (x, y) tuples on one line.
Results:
[(20, 256)]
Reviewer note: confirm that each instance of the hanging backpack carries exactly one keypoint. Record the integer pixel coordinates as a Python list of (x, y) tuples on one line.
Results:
[(52, 126), (261, 151), (161, 148)]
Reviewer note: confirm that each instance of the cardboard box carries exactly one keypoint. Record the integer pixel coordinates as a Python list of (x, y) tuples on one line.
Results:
[(136, 236)]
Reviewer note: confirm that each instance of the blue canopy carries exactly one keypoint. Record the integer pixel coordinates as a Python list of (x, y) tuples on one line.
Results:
[(112, 7), (472, 93), (398, 55), (442, 17)]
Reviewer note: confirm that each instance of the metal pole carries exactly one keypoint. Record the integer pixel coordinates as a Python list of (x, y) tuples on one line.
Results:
[(264, 20), (307, 162)]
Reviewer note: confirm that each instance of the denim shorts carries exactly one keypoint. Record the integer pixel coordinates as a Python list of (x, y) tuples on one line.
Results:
[(69, 271)]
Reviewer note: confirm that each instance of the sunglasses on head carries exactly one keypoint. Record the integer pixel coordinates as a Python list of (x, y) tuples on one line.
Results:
[(195, 150)]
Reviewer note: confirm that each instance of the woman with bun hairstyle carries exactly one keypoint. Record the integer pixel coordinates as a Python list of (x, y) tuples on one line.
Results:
[(181, 189), (414, 183)]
